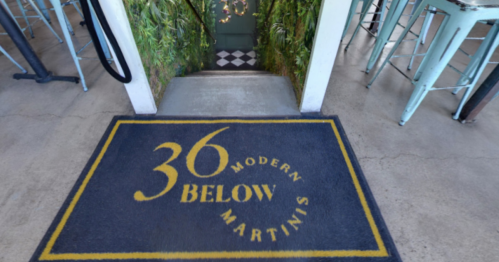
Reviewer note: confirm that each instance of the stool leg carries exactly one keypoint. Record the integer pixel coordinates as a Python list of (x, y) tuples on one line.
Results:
[(420, 37), (394, 14), (471, 69), (415, 100), (12, 60), (68, 24), (433, 45), (44, 20), (427, 27), (43, 8), (399, 40), (60, 16), (351, 13), (415, 6), (77, 8), (492, 45), (382, 14), (449, 41), (12, 15), (424, 29), (365, 8), (25, 18), (100, 34)]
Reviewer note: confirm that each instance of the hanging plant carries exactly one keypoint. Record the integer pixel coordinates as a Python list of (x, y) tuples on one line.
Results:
[(170, 40)]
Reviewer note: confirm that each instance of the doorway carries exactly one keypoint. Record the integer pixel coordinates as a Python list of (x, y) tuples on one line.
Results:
[(236, 35)]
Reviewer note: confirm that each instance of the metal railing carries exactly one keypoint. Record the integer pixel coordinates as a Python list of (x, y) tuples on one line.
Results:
[(270, 11), (200, 20)]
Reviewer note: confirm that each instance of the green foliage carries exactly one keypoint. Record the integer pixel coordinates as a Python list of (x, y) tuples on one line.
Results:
[(286, 38), (170, 40)]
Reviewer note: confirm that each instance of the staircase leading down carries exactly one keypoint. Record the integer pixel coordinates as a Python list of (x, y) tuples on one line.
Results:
[(229, 93)]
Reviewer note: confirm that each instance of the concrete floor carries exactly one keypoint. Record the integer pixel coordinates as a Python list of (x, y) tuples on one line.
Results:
[(238, 95), (47, 134), (434, 179)]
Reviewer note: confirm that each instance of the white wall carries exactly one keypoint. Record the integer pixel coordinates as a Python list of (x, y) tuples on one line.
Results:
[(330, 26), (138, 90)]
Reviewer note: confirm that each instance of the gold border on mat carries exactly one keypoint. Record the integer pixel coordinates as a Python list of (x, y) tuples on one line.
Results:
[(381, 252)]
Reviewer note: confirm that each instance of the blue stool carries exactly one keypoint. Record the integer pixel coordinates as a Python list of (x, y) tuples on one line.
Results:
[(392, 20), (61, 16), (353, 11), (26, 17), (365, 11), (12, 60), (461, 16)]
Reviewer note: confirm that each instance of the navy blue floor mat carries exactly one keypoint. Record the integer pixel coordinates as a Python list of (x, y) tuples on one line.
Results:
[(284, 189)]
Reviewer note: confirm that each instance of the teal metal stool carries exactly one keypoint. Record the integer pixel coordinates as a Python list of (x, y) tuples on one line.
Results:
[(364, 12), (460, 17), (353, 11), (61, 16), (12, 60), (389, 24), (392, 20), (44, 9), (26, 17)]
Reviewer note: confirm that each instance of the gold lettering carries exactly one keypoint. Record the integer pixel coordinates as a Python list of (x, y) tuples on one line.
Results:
[(205, 193), (266, 189), (286, 167), (220, 192), (301, 211), (250, 161), (240, 228), (235, 193), (302, 200), (295, 176), (274, 162), (294, 222), (263, 160), (187, 192), (286, 232), (169, 171), (227, 217), (238, 167), (272, 233), (224, 156), (256, 233)]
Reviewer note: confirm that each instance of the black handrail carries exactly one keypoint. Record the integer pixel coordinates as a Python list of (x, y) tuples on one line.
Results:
[(270, 11), (110, 36), (200, 20)]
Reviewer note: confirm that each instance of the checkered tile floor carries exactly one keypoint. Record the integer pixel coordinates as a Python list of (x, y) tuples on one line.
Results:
[(237, 59)]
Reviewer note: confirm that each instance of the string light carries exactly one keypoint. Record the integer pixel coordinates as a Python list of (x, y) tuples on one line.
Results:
[(245, 7), (226, 10)]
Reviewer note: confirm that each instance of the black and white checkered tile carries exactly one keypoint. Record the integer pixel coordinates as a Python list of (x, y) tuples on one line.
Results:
[(237, 59)]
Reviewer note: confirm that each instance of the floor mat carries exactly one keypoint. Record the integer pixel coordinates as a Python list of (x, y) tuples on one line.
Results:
[(220, 189)]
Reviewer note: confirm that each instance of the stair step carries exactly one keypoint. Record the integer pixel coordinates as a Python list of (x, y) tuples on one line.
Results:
[(229, 73), (266, 95)]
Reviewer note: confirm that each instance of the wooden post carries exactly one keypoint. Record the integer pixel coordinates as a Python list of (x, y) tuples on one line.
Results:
[(483, 95)]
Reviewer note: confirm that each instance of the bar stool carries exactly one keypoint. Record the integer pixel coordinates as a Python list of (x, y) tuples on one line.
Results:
[(61, 16), (460, 17), (44, 9), (427, 27), (390, 23), (12, 60), (366, 4), (352, 12), (392, 20), (24, 16)]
